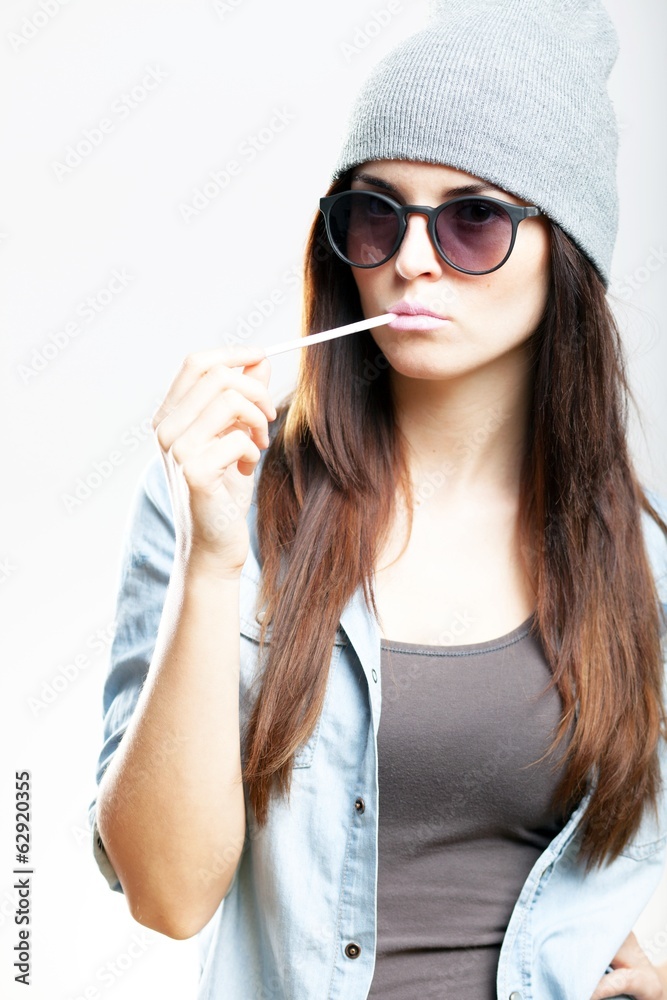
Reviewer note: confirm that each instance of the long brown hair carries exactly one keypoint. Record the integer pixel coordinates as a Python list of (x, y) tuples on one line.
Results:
[(327, 489)]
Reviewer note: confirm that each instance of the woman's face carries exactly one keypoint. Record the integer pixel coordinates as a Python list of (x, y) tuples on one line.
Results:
[(483, 316)]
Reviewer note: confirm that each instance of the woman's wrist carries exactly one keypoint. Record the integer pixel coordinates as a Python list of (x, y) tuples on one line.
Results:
[(200, 564), (205, 568)]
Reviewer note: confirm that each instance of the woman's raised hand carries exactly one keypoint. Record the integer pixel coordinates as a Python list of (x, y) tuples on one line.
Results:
[(210, 428)]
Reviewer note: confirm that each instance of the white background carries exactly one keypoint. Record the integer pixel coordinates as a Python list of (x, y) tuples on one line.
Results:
[(225, 68)]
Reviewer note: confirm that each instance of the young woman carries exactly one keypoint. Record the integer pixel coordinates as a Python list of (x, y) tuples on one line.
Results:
[(385, 712)]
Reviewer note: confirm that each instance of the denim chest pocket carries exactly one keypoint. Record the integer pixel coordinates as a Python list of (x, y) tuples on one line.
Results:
[(250, 630), (640, 849)]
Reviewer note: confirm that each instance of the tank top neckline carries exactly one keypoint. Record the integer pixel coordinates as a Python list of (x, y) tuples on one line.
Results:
[(465, 649)]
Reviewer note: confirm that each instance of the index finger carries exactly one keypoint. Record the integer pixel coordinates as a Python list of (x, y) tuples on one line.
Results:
[(198, 363)]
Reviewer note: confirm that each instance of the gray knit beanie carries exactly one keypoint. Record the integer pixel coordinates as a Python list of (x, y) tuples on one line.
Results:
[(514, 92)]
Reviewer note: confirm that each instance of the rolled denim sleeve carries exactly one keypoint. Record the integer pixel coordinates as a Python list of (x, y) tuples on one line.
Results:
[(145, 568)]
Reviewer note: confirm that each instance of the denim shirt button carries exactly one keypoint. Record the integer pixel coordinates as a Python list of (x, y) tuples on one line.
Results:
[(359, 804), (260, 616), (515, 995), (352, 950)]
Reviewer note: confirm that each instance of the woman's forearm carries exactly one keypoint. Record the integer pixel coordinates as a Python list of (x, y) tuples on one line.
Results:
[(171, 810)]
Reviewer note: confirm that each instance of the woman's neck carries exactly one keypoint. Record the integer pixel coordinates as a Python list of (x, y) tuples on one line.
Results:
[(466, 434)]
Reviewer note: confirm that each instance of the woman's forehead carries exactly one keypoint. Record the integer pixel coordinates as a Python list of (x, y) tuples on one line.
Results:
[(403, 175)]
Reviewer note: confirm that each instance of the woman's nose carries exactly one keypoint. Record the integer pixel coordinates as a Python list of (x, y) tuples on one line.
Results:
[(416, 254)]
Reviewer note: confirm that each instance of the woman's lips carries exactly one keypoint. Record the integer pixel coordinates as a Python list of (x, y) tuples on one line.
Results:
[(420, 321)]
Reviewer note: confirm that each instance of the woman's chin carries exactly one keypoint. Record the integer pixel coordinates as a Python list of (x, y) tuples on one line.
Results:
[(432, 368), (419, 353)]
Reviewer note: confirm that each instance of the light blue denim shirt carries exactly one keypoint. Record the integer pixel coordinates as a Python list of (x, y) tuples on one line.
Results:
[(299, 919)]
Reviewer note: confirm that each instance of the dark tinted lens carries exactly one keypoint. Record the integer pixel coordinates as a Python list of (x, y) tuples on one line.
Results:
[(363, 228), (474, 233)]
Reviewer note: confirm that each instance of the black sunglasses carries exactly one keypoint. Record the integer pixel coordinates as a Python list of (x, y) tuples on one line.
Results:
[(472, 234)]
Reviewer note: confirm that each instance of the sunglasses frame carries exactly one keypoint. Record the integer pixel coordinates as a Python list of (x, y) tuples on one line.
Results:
[(517, 214)]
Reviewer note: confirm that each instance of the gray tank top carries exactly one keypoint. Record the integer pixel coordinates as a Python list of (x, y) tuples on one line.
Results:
[(463, 815)]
